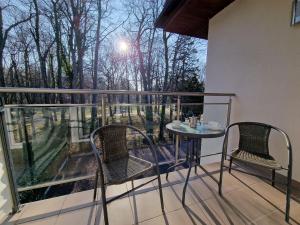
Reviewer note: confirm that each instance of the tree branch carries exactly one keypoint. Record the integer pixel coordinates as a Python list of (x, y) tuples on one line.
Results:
[(6, 32)]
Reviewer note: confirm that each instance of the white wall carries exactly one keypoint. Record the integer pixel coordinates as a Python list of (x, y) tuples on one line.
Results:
[(254, 52), (5, 197)]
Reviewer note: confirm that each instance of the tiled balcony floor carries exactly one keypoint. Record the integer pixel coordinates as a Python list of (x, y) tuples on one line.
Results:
[(240, 204)]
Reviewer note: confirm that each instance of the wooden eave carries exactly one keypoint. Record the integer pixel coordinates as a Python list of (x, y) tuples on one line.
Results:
[(189, 17)]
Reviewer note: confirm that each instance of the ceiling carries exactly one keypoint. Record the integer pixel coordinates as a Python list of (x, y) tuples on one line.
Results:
[(189, 17)]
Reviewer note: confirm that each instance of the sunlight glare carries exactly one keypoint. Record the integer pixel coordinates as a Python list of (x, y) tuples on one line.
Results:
[(123, 46)]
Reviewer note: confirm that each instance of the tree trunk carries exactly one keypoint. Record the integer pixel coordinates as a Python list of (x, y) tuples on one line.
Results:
[(57, 35), (166, 79), (137, 98), (42, 59), (2, 44), (27, 73), (2, 81), (96, 64)]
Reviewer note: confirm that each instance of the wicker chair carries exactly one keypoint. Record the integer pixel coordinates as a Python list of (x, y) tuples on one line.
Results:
[(117, 163), (253, 149)]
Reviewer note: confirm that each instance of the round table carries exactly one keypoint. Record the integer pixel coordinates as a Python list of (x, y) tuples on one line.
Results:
[(201, 131), (197, 133)]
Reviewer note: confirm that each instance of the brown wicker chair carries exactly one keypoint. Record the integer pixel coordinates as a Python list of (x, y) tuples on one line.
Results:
[(115, 153), (253, 148)]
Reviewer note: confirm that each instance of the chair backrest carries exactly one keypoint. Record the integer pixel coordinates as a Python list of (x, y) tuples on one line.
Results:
[(254, 138), (112, 141)]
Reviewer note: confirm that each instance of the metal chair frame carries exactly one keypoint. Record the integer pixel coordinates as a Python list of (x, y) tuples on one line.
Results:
[(289, 169), (100, 173)]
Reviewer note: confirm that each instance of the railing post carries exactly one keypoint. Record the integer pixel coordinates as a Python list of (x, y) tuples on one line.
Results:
[(8, 160), (103, 110), (177, 136), (229, 111), (228, 118)]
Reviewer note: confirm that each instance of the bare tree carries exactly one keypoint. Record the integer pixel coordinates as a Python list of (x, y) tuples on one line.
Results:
[(144, 33), (4, 34), (55, 19), (42, 53), (165, 85)]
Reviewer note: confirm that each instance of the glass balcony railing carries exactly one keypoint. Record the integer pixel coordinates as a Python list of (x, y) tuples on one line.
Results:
[(49, 147)]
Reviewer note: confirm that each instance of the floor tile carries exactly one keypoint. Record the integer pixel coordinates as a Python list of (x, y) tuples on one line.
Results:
[(173, 197), (149, 186), (178, 217), (43, 208), (245, 178), (119, 213), (249, 203), (212, 167), (175, 176), (196, 214), (221, 211), (46, 221), (189, 215), (270, 193), (114, 190), (78, 200), (277, 218), (159, 220), (201, 190), (85, 216), (295, 211), (14, 218), (230, 183), (145, 206)]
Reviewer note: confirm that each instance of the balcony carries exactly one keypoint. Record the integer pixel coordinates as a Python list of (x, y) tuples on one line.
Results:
[(250, 202), (53, 181), (47, 169)]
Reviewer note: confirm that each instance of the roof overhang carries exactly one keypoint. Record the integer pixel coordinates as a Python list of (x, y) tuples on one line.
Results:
[(189, 17)]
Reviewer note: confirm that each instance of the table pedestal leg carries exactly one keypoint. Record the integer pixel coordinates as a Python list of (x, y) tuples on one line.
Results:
[(198, 153), (191, 159), (196, 156)]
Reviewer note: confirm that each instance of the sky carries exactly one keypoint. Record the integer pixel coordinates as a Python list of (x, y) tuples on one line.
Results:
[(120, 14)]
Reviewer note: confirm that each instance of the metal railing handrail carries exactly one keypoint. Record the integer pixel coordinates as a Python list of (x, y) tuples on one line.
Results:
[(58, 105), (104, 92)]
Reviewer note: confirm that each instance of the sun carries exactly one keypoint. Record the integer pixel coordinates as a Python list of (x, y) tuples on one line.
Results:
[(123, 46)]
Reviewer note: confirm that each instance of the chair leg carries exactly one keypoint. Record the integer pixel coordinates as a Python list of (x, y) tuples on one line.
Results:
[(186, 183), (230, 164), (161, 194), (221, 173), (167, 175), (288, 195), (103, 196), (104, 203), (273, 178), (96, 186)]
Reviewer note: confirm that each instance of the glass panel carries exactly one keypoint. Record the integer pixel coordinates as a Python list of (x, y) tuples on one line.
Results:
[(48, 142), (50, 145), (6, 202)]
